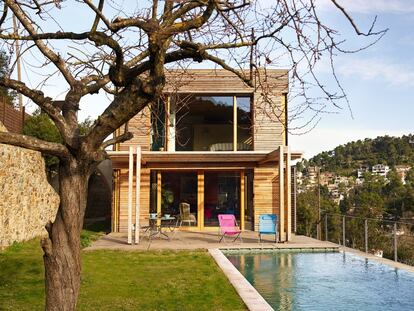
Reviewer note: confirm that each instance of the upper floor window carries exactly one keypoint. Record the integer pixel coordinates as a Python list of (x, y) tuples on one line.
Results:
[(205, 123)]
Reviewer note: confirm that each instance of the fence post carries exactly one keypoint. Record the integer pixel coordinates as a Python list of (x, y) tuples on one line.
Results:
[(366, 235), (4, 111), (318, 228), (343, 231), (326, 227), (395, 243)]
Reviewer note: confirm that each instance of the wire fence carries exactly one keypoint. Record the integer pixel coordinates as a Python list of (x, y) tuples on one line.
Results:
[(384, 238)]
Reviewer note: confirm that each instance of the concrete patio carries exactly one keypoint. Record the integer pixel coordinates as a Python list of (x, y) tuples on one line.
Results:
[(181, 240)]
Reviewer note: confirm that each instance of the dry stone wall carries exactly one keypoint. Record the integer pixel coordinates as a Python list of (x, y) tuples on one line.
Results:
[(27, 201)]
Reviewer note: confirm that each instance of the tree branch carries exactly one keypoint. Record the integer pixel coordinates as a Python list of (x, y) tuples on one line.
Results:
[(98, 12), (121, 23), (171, 17), (193, 23), (169, 58), (47, 36), (224, 65), (35, 144), (116, 140), (197, 52), (46, 51), (354, 25), (126, 104), (98, 16), (96, 86), (45, 103), (4, 15)]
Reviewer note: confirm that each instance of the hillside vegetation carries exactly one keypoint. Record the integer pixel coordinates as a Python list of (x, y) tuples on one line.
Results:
[(347, 158)]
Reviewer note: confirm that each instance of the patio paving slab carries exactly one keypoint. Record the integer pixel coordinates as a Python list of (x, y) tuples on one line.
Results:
[(188, 240)]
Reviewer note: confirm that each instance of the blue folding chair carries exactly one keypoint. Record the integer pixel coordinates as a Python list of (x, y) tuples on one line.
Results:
[(268, 225)]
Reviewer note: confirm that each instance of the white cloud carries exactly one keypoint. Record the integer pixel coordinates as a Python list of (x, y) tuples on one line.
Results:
[(407, 39), (325, 139), (378, 69), (371, 6)]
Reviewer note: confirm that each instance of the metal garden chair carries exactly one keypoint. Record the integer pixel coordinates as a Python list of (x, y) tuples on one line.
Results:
[(228, 226), (268, 225)]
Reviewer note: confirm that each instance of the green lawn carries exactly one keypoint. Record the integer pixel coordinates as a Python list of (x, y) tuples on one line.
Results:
[(116, 280)]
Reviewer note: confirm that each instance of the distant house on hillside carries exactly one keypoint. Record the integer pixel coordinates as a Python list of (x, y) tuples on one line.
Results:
[(361, 171), (334, 192), (402, 171), (341, 180), (380, 169), (312, 174), (327, 178)]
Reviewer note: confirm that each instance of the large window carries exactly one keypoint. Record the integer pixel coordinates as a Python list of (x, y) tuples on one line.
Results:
[(208, 123), (176, 188)]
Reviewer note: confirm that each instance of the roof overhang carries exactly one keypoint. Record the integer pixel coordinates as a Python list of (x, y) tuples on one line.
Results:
[(248, 158)]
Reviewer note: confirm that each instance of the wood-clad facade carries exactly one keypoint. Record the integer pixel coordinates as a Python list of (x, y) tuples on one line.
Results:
[(238, 166), (140, 125)]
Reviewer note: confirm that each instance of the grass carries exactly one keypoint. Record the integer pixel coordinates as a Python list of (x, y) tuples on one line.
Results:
[(116, 280), (92, 232)]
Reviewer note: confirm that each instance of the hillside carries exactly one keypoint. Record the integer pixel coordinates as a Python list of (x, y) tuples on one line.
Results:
[(347, 158)]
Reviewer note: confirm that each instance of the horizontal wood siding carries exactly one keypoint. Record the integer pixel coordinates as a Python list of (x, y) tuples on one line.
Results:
[(269, 111), (205, 81), (223, 81), (140, 126), (123, 202), (265, 191), (269, 118)]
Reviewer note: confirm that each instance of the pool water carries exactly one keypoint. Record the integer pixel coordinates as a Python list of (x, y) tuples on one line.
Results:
[(326, 281)]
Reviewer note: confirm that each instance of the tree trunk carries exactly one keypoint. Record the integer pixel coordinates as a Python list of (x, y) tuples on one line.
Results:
[(62, 247)]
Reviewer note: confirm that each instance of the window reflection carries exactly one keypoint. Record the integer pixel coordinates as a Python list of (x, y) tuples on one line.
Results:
[(206, 123), (221, 196), (244, 124)]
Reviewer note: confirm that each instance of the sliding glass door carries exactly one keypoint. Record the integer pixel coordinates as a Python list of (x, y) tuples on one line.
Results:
[(208, 194)]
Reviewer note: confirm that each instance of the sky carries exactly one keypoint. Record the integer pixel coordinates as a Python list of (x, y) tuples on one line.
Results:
[(378, 81)]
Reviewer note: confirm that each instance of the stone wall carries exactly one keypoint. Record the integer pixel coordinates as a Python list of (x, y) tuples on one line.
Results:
[(27, 201)]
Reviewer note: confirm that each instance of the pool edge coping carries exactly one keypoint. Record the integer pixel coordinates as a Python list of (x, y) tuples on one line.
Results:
[(250, 296), (381, 260)]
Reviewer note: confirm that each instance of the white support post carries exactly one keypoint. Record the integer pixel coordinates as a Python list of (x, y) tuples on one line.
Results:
[(137, 194), (288, 196), (130, 184), (234, 123), (281, 196)]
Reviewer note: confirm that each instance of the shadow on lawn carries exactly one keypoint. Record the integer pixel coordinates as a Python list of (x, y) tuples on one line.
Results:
[(93, 230)]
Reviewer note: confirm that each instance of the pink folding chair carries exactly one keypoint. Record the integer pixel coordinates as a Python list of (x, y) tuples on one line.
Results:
[(228, 226)]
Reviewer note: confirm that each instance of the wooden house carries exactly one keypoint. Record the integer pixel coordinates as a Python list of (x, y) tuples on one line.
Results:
[(212, 142)]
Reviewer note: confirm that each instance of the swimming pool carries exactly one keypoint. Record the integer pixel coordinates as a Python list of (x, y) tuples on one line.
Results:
[(325, 281)]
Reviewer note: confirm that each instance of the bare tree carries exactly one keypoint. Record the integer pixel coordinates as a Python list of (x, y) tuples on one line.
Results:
[(125, 52)]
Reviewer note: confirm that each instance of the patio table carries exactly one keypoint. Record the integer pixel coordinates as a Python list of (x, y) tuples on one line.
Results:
[(156, 229)]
